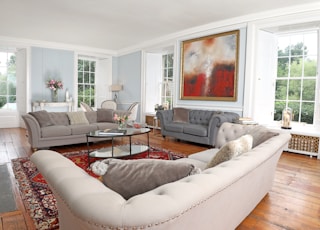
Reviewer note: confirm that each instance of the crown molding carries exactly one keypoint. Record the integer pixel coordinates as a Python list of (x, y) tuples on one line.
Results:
[(225, 25)]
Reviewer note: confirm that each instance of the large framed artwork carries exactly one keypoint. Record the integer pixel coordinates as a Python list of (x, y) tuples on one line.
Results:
[(209, 67)]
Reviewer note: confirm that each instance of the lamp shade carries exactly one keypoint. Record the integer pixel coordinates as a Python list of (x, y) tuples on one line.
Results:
[(116, 88)]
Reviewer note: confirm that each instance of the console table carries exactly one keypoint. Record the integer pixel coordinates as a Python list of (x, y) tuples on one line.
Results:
[(44, 104)]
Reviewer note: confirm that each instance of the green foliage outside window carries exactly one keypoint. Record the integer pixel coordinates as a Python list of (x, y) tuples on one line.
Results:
[(86, 82), (296, 82), (8, 81)]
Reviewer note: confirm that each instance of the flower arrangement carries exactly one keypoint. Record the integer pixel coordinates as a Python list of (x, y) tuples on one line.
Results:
[(54, 84), (120, 119)]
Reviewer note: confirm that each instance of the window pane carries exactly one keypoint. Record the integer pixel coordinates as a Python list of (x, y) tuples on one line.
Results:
[(12, 89), (279, 106), (93, 66), (310, 43), (80, 65), (283, 64), (86, 77), (283, 49), (170, 60), (295, 106), (307, 111), (3, 101), (86, 65), (294, 89), (308, 92), (3, 88), (12, 99), (80, 90), (80, 77), (296, 67), (310, 66), (92, 77), (281, 89)]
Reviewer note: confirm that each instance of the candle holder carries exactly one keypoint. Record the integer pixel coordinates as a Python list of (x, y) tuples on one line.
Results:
[(286, 118)]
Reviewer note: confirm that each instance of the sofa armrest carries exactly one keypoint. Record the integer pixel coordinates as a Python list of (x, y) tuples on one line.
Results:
[(33, 128), (216, 121), (165, 117)]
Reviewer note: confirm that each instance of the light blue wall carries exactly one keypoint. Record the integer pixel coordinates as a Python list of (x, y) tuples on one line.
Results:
[(127, 71), (51, 64)]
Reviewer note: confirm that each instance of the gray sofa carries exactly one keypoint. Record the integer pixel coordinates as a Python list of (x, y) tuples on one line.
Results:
[(46, 129), (199, 126), (217, 198)]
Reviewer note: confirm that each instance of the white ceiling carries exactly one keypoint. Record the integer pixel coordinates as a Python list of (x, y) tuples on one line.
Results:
[(119, 24)]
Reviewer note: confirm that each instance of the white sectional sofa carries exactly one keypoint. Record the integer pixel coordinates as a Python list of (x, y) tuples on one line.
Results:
[(217, 198)]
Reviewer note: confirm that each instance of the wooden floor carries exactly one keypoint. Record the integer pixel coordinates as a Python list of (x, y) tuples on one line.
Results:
[(293, 202)]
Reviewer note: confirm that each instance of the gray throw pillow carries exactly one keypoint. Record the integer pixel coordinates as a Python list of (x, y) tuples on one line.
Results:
[(105, 115), (43, 118), (133, 177), (181, 115), (231, 149), (261, 134)]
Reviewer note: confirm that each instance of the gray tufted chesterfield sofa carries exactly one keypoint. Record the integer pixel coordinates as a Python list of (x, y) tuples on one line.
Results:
[(202, 126)]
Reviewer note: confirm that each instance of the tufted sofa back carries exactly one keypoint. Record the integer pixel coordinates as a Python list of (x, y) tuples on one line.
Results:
[(231, 131), (201, 117)]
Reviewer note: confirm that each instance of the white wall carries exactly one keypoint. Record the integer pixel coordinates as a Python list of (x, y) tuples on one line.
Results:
[(153, 80)]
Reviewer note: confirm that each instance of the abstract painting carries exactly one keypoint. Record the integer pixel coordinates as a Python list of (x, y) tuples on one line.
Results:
[(209, 67)]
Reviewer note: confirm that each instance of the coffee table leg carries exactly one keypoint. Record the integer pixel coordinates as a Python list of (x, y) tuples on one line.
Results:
[(130, 144)]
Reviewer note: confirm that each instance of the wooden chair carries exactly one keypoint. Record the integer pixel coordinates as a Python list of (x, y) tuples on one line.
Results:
[(109, 104), (133, 109)]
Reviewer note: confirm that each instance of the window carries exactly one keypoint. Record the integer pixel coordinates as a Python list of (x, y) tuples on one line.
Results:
[(86, 81), (167, 80), (7, 80), (297, 75)]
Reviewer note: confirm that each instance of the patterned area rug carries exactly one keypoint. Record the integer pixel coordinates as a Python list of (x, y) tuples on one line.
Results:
[(37, 196)]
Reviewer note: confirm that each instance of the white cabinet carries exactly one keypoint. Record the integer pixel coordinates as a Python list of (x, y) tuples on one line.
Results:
[(304, 140)]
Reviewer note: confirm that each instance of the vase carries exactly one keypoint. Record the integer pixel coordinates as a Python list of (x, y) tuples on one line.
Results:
[(122, 125), (54, 95)]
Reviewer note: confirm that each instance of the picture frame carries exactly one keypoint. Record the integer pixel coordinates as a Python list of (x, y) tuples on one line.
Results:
[(209, 67)]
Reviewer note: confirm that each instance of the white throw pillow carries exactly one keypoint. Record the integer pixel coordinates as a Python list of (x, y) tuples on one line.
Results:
[(231, 149)]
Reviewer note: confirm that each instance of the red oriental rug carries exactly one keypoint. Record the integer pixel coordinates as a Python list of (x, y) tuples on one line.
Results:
[(37, 196)]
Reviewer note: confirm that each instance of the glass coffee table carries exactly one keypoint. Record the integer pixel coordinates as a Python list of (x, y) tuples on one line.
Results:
[(119, 150)]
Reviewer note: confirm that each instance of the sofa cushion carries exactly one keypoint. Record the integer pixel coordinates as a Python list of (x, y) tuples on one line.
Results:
[(232, 149), (105, 115), (175, 127), (43, 118), (181, 115), (82, 129), (55, 131), (77, 118), (261, 134), (133, 177), (197, 130)]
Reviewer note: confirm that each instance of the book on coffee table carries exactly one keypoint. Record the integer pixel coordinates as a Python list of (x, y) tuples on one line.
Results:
[(112, 132)]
